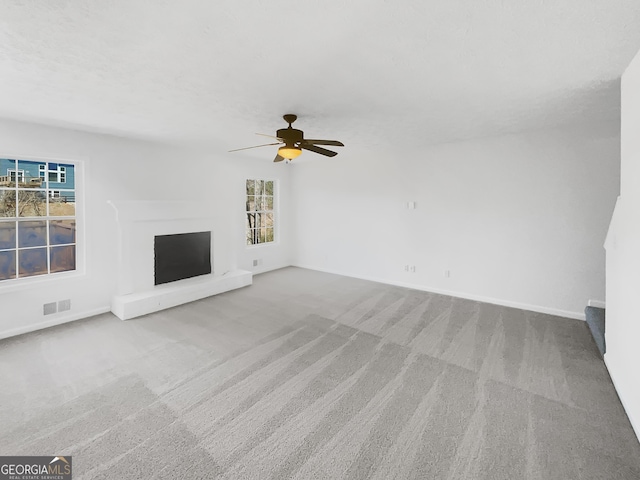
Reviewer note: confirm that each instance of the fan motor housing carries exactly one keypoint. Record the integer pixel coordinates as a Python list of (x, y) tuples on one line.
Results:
[(290, 135)]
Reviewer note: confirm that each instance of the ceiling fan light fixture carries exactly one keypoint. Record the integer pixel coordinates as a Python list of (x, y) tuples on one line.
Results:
[(293, 142), (289, 152)]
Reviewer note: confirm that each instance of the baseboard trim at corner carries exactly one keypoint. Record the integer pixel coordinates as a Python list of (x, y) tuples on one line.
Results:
[(270, 268), (634, 424), (596, 304), (54, 322), (478, 298)]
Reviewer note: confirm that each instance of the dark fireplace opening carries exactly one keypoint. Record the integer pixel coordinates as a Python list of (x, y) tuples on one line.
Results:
[(180, 256)]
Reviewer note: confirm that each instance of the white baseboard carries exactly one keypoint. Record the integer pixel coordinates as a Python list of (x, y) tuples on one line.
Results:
[(58, 320), (479, 298), (262, 269), (596, 304), (635, 424)]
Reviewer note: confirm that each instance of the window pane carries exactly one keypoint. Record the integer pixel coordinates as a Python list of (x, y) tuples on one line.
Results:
[(254, 236), (268, 219), (6, 165), (258, 223), (251, 203), (32, 262), (63, 259), (7, 235), (32, 203), (263, 235), (53, 177), (70, 176), (251, 220), (268, 187), (251, 187), (29, 174), (7, 265), (259, 187), (32, 233), (270, 235), (7, 203), (62, 231), (269, 204), (62, 203)]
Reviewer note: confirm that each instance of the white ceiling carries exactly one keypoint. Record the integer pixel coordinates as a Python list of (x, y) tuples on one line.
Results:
[(367, 72)]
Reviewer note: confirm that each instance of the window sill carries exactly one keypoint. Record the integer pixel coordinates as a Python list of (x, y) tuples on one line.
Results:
[(261, 245), (21, 284)]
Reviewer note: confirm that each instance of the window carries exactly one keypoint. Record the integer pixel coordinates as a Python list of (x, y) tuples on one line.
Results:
[(260, 212), (37, 223), (12, 174), (54, 172)]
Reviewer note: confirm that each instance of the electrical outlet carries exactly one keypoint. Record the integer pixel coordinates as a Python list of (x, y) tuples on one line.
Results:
[(413, 269), (447, 273), (406, 268), (257, 262)]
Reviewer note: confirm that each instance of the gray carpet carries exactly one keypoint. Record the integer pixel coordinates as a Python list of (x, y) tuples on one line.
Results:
[(308, 375)]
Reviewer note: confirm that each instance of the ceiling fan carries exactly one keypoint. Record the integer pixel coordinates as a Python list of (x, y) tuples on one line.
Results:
[(293, 142)]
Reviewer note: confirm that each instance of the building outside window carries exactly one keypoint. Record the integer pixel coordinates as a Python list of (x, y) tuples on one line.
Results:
[(260, 212), (15, 173), (54, 172), (37, 218)]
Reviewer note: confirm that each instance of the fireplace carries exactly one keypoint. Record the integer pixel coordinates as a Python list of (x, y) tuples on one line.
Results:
[(147, 231), (181, 255)]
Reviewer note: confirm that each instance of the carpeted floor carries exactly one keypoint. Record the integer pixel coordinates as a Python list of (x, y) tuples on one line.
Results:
[(308, 375)]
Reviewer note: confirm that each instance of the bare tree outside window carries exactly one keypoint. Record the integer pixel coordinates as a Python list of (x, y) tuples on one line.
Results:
[(259, 211)]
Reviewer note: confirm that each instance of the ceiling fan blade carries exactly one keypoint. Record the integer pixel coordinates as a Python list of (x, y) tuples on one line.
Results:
[(278, 158), (256, 146), (321, 151), (335, 143), (270, 136)]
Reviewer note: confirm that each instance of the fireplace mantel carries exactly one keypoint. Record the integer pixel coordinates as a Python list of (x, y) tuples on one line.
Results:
[(138, 224), (157, 210)]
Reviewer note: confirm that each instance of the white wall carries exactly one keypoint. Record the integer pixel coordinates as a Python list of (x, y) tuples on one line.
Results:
[(120, 169), (622, 331), (517, 220)]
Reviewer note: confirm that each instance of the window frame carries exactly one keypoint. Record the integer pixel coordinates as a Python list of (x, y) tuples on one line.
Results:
[(18, 283), (274, 211)]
